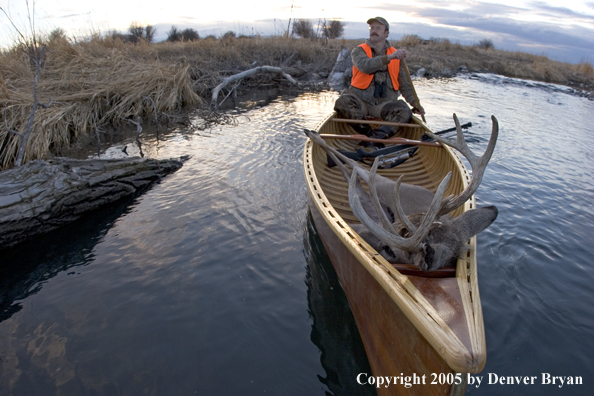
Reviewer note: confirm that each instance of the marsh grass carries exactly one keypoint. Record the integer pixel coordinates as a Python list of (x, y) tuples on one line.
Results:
[(90, 84), (102, 82), (438, 55)]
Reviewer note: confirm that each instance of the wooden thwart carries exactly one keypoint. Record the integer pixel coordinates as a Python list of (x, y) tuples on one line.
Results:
[(364, 138), (376, 122)]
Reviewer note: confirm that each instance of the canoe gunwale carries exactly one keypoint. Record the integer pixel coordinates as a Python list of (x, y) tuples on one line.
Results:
[(399, 287)]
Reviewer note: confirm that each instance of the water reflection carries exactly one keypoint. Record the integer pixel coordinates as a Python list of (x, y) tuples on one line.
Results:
[(334, 330), (28, 266)]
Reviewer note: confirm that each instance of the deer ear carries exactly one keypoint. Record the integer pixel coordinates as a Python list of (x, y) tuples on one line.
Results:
[(474, 221)]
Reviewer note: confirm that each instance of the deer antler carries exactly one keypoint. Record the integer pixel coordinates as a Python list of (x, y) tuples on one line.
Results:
[(478, 164), (375, 202), (391, 238), (398, 211)]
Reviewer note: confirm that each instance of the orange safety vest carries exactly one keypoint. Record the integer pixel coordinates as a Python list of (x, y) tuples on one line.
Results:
[(362, 81)]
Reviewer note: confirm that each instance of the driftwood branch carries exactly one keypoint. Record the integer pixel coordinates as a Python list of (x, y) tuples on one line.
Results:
[(239, 76), (138, 132), (154, 111), (138, 126), (13, 25), (7, 128), (96, 128), (229, 93), (45, 106)]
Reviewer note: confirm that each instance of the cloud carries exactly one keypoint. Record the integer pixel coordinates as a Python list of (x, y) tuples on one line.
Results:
[(69, 16), (558, 32), (562, 11)]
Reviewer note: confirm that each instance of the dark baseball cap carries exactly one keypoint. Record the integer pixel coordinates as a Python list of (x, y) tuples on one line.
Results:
[(380, 20)]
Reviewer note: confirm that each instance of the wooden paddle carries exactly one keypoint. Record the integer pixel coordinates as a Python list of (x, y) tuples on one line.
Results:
[(364, 138), (412, 86)]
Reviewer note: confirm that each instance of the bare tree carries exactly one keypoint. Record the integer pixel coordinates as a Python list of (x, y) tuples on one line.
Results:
[(303, 28), (57, 34), (149, 33), (173, 34), (486, 44), (21, 35), (36, 55), (136, 31), (190, 35), (334, 30), (36, 104), (229, 35)]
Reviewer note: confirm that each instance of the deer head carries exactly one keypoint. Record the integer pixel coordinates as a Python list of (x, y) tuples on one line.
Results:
[(421, 230)]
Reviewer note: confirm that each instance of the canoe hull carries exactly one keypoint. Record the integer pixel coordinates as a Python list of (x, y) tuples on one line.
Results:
[(410, 325), (393, 345)]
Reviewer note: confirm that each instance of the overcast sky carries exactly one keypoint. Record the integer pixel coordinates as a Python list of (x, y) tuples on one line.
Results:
[(561, 30)]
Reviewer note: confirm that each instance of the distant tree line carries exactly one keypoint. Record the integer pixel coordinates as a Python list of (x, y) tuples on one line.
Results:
[(136, 33), (183, 35), (304, 28), (486, 44)]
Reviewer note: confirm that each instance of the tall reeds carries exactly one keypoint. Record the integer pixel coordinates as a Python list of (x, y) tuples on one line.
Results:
[(90, 84)]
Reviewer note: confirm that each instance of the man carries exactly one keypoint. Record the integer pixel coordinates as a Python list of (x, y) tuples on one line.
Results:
[(378, 80)]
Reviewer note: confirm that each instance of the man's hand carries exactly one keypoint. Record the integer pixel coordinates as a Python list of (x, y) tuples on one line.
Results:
[(419, 110), (398, 54)]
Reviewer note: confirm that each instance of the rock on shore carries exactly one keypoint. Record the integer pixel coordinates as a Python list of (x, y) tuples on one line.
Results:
[(43, 195)]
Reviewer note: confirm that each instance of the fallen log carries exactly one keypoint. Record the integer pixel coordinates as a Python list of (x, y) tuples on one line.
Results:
[(43, 195), (242, 75)]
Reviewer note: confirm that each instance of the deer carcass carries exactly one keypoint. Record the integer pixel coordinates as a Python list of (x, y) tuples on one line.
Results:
[(415, 226)]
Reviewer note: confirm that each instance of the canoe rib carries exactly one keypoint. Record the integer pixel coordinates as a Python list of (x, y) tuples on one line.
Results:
[(457, 337)]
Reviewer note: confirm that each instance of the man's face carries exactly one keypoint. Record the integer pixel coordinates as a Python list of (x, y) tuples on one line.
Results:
[(377, 32)]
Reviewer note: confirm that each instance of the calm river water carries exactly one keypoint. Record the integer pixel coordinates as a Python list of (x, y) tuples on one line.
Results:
[(214, 282)]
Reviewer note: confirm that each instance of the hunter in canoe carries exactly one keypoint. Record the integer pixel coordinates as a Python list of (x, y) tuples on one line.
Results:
[(380, 76)]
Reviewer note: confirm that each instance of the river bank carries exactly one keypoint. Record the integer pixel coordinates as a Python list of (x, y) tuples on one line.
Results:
[(100, 84)]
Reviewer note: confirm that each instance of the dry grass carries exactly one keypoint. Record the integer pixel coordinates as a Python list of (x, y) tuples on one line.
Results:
[(102, 82), (90, 85), (438, 55)]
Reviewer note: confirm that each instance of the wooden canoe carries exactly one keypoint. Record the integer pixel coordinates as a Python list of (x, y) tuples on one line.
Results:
[(410, 324)]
